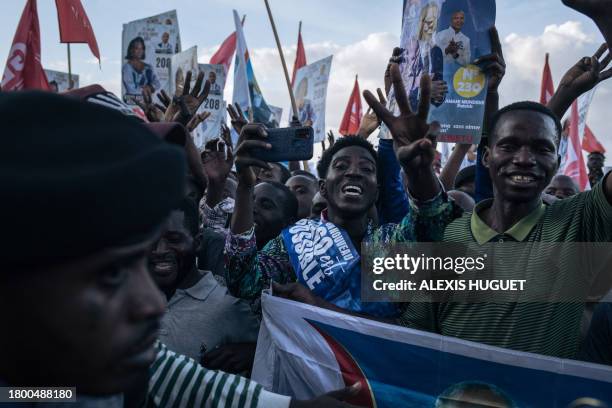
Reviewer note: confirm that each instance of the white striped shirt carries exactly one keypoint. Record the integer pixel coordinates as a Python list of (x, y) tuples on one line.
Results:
[(179, 381)]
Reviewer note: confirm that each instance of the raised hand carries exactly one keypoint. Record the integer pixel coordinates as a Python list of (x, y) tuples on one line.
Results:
[(370, 122), (493, 65), (231, 358), (600, 11), (331, 139), (412, 135), (581, 78), (439, 89), (237, 118), (297, 292), (396, 58), (154, 112), (196, 120), (226, 136), (252, 136), (182, 107), (332, 399), (217, 159)]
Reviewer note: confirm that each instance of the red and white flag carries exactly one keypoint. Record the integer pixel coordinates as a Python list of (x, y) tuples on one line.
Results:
[(353, 113), (548, 87), (225, 52), (23, 67), (300, 56), (74, 25), (574, 166)]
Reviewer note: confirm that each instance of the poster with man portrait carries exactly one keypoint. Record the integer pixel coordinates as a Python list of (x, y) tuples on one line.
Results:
[(211, 128), (443, 38), (147, 49), (59, 82), (310, 90)]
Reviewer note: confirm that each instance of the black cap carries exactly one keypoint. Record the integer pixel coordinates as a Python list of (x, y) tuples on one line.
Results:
[(77, 177)]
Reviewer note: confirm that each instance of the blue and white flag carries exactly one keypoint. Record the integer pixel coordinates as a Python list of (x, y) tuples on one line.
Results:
[(246, 89)]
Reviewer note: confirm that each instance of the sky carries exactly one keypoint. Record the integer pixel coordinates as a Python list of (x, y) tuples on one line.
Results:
[(359, 33)]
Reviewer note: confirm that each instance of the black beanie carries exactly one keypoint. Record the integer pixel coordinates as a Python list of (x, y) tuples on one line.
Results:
[(76, 177)]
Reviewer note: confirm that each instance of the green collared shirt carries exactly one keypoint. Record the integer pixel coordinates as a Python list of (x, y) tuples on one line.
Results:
[(550, 328), (518, 232)]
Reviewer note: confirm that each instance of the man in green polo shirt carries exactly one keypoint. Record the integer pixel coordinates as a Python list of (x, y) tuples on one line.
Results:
[(522, 157)]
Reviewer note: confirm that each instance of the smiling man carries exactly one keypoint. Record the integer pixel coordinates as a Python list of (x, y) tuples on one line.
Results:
[(522, 158), (322, 254)]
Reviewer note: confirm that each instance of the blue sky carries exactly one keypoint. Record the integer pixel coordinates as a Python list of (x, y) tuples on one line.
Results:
[(360, 34)]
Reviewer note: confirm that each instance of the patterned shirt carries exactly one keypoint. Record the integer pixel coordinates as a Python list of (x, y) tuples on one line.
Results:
[(250, 271), (178, 381), (550, 328), (216, 218)]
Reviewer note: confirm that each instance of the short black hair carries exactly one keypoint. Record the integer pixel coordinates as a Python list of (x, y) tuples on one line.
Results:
[(596, 154), (304, 173), (290, 203), (192, 216), (465, 175), (525, 105), (347, 141), (285, 173)]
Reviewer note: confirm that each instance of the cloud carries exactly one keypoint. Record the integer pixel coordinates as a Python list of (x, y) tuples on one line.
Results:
[(566, 43)]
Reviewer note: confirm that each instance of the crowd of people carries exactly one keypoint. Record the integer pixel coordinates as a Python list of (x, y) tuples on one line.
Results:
[(134, 263)]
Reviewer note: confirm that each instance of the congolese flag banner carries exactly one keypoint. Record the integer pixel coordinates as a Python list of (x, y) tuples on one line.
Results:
[(304, 351)]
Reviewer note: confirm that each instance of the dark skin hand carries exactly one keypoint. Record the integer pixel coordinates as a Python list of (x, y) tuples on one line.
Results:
[(413, 137), (231, 358), (183, 106), (600, 11), (237, 119), (370, 122), (334, 399), (581, 78), (217, 160), (396, 58), (494, 67), (331, 139), (252, 136), (153, 111)]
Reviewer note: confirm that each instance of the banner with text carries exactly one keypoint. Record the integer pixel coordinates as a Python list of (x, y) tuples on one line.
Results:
[(147, 48), (442, 38), (211, 128), (58, 81)]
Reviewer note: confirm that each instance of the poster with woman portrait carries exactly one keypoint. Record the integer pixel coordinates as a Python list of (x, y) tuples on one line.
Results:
[(443, 38), (147, 48), (310, 90)]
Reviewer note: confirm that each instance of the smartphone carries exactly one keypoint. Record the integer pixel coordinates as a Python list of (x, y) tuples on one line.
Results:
[(288, 144)]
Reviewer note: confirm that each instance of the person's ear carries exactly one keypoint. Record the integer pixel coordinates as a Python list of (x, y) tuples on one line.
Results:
[(323, 188), (486, 156)]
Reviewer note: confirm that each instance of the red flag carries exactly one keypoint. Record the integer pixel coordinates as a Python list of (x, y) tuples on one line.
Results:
[(590, 142), (548, 88), (225, 52), (23, 67), (353, 113), (574, 162), (300, 56), (74, 25)]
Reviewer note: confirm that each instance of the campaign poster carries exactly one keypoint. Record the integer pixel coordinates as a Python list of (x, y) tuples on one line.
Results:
[(442, 38), (211, 128), (304, 351), (59, 82), (310, 90), (146, 52), (182, 63)]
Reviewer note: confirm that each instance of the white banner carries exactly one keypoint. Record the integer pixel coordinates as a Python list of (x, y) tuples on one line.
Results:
[(147, 48), (304, 351), (211, 127), (59, 80), (182, 63), (310, 90)]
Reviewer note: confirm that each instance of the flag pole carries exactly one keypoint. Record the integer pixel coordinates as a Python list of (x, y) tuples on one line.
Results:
[(282, 57), (69, 67)]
